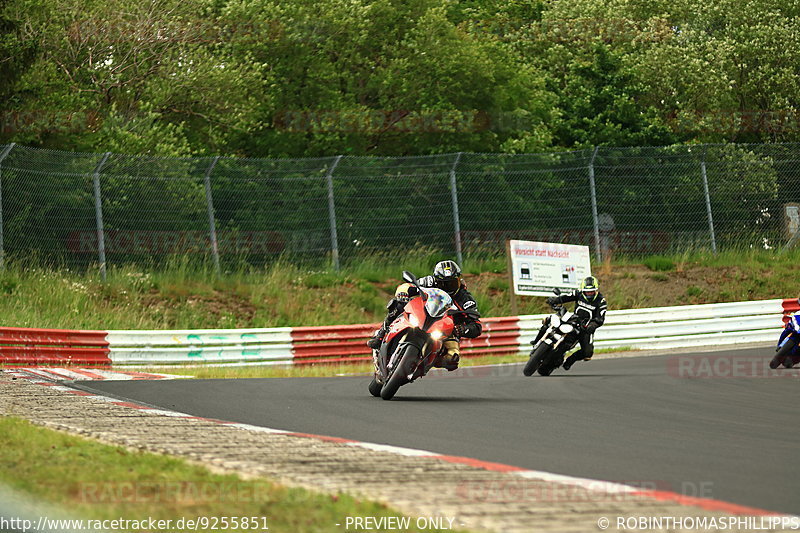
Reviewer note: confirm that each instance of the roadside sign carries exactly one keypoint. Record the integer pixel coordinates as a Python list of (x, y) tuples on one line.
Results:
[(539, 267)]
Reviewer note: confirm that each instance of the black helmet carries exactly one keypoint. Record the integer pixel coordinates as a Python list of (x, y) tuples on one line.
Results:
[(447, 275), (590, 288)]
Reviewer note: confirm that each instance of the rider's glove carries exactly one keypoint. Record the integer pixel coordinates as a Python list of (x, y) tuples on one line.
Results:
[(552, 300), (459, 330)]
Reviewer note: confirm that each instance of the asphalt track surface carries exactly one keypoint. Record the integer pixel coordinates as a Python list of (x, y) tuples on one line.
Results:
[(709, 424)]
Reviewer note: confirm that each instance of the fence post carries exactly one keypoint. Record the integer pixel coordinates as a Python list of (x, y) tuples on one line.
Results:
[(596, 221), (332, 214), (98, 210), (212, 227), (456, 220), (6, 151), (708, 203)]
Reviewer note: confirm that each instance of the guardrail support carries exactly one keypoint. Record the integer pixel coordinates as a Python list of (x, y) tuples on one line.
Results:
[(5, 153), (598, 252), (98, 210), (456, 220), (708, 205), (212, 226), (332, 214)]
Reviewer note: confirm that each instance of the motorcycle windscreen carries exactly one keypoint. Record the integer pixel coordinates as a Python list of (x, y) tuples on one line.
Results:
[(437, 302)]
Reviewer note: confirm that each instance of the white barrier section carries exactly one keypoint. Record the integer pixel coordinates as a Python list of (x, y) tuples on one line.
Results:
[(681, 326), (268, 345)]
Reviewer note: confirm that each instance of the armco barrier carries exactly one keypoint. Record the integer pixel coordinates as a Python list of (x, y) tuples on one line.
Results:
[(662, 327), (30, 346), (683, 326)]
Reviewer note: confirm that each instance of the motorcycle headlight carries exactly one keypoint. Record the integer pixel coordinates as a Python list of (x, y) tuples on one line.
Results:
[(414, 321), (566, 328), (436, 334)]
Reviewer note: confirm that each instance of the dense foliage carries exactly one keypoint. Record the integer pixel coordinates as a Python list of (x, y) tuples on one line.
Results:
[(266, 78)]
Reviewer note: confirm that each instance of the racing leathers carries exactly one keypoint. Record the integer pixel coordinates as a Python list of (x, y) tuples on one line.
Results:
[(592, 315), (788, 328), (467, 325)]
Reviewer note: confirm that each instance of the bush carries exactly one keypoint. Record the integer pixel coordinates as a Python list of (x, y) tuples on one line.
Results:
[(693, 291), (658, 263)]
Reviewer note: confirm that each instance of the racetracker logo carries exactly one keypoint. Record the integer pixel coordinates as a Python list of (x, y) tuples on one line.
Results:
[(373, 121), (586, 490), (726, 366), (181, 492)]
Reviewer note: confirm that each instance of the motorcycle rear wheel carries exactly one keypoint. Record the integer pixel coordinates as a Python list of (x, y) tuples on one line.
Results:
[(536, 359), (400, 375), (545, 370), (375, 387), (553, 362)]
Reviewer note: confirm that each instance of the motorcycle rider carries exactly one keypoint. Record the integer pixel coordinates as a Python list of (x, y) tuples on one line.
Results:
[(447, 277), (788, 328), (791, 328), (395, 306), (590, 308)]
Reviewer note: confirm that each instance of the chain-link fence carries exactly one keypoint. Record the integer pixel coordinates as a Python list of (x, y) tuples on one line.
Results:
[(80, 209)]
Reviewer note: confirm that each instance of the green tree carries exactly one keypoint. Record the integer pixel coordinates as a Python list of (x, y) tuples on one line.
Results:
[(726, 71), (148, 77), (385, 77)]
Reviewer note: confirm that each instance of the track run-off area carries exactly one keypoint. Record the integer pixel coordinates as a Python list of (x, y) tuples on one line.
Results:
[(715, 424)]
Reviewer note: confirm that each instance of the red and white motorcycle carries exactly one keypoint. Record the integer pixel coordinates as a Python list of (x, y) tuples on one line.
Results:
[(414, 340)]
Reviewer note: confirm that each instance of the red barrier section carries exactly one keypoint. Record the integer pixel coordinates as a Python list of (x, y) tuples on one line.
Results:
[(332, 344), (500, 336), (790, 306), (347, 344), (53, 347)]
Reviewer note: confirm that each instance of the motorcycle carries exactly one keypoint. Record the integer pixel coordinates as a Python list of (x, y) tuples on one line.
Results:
[(414, 341), (560, 337), (788, 353)]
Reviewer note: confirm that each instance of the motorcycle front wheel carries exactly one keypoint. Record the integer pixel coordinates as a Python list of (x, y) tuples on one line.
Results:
[(401, 372), (783, 354), (537, 355)]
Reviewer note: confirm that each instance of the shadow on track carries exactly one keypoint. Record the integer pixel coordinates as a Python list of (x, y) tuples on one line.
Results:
[(475, 400)]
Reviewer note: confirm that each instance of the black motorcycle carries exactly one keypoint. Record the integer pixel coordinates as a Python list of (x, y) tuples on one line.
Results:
[(561, 336)]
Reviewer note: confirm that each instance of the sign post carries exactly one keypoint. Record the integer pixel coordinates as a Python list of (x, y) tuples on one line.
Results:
[(512, 293), (539, 267)]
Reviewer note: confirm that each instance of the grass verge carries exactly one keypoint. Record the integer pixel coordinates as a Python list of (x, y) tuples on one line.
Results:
[(182, 295)]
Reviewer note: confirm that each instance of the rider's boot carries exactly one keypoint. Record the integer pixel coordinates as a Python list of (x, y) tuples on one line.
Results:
[(377, 339), (451, 357), (571, 360), (577, 356)]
